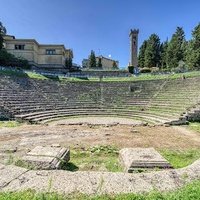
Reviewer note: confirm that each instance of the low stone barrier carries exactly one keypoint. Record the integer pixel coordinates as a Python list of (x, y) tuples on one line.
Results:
[(13, 178)]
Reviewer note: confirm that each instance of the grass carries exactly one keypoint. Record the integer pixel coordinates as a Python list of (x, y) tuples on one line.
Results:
[(105, 158), (9, 124), (106, 79), (97, 158), (179, 159), (195, 126), (36, 76), (188, 192)]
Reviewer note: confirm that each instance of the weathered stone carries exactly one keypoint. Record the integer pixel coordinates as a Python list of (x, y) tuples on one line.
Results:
[(9, 173), (55, 145), (47, 157), (134, 131), (8, 150), (99, 182), (134, 159)]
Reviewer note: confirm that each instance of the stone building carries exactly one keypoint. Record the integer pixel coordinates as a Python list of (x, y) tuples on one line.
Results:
[(133, 47), (40, 56), (107, 63)]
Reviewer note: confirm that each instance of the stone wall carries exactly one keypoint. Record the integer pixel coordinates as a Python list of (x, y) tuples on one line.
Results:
[(3, 114), (102, 73)]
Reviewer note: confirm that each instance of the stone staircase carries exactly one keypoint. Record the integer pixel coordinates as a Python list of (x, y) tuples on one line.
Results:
[(155, 101)]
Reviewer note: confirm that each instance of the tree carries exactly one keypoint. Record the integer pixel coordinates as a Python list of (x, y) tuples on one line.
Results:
[(2, 32), (193, 49), (163, 54), (99, 64), (175, 49), (141, 57), (114, 65), (7, 59), (152, 54), (92, 60), (68, 63)]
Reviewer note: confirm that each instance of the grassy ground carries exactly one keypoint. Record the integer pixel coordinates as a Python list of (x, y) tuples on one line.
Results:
[(9, 124), (97, 158), (179, 159), (195, 126), (105, 158), (189, 192), (133, 78)]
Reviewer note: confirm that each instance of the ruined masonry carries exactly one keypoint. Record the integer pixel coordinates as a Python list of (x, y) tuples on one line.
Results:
[(133, 159), (47, 157)]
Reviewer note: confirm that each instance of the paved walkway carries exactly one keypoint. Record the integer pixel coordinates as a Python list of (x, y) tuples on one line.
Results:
[(14, 178)]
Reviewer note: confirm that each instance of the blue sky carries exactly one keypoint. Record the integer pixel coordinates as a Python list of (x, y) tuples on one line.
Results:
[(99, 25)]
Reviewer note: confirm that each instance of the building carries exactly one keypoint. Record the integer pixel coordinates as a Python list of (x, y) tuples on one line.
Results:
[(40, 56), (107, 63), (133, 47)]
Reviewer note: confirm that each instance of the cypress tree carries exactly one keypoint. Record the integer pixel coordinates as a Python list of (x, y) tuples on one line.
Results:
[(99, 64), (163, 54), (175, 50), (92, 60), (2, 32), (114, 65), (141, 57), (193, 49), (152, 52), (68, 63)]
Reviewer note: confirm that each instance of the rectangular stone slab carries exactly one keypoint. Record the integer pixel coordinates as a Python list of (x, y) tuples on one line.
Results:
[(47, 157), (9, 173), (133, 159)]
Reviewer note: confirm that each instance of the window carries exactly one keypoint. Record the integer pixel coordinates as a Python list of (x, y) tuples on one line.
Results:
[(19, 46), (50, 51)]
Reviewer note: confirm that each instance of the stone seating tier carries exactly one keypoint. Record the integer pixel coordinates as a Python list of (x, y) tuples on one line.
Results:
[(156, 100)]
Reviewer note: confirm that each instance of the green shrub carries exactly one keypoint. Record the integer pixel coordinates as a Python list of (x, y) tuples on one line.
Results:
[(7, 59), (131, 69)]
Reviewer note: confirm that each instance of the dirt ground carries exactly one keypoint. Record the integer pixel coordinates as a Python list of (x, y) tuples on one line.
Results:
[(20, 140)]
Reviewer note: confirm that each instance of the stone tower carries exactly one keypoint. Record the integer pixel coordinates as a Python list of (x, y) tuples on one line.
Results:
[(133, 47)]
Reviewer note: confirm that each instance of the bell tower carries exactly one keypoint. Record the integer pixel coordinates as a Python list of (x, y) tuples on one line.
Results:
[(133, 47)]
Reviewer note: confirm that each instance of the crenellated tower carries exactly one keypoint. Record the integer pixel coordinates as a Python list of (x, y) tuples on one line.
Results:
[(133, 47)]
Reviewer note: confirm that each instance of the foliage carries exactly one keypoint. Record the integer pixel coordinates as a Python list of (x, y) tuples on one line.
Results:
[(141, 58), (163, 54), (114, 65), (2, 32), (131, 69), (188, 192), (175, 49), (92, 60), (9, 124), (99, 64), (7, 59), (68, 63), (152, 54), (193, 49)]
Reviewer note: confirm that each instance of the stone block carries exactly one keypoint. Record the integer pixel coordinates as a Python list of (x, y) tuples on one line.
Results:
[(47, 157), (134, 159)]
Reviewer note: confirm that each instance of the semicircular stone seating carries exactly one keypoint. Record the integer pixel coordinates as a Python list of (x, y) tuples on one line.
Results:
[(155, 101)]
